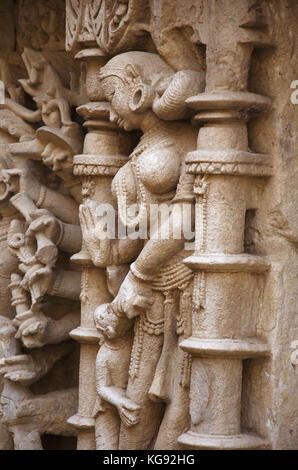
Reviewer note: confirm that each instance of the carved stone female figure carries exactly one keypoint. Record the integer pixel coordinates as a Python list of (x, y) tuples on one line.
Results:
[(145, 93)]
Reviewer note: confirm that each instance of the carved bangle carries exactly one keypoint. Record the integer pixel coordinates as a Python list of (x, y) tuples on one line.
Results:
[(42, 196), (137, 274), (115, 312)]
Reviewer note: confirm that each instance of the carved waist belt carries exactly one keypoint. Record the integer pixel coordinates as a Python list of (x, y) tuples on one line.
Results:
[(174, 276)]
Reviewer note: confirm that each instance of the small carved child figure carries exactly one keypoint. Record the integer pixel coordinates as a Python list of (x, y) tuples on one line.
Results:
[(112, 365)]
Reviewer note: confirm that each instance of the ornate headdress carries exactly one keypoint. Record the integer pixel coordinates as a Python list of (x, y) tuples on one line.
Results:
[(169, 90)]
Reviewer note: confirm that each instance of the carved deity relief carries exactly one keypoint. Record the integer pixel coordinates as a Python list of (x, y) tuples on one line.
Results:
[(157, 330), (39, 207), (153, 298), (166, 307)]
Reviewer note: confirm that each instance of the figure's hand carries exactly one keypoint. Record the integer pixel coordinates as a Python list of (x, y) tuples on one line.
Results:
[(21, 369), (38, 281), (98, 245), (32, 331), (26, 181), (44, 221), (128, 412), (134, 297)]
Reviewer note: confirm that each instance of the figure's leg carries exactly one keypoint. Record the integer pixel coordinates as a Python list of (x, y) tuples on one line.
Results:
[(145, 355), (140, 436), (107, 427), (176, 419)]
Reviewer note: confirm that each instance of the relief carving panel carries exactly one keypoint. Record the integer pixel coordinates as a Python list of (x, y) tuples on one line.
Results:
[(138, 201)]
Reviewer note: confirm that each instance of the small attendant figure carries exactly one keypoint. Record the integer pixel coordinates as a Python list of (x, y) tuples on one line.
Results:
[(112, 365)]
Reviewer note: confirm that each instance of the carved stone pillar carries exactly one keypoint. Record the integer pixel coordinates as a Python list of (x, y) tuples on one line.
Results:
[(228, 280), (96, 166)]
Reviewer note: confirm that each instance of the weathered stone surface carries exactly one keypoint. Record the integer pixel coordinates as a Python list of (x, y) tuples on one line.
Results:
[(41, 25), (148, 271)]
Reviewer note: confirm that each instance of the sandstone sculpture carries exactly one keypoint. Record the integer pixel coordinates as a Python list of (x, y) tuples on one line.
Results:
[(131, 85), (34, 235), (148, 213)]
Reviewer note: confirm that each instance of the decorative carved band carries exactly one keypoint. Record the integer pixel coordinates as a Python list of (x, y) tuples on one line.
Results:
[(74, 21), (98, 165), (229, 162), (114, 26)]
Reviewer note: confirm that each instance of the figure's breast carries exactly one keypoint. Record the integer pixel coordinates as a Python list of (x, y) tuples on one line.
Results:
[(157, 169)]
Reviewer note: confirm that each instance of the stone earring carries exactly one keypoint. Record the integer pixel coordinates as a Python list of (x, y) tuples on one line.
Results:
[(141, 99)]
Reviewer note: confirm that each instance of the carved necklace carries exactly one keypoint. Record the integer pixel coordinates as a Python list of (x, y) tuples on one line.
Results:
[(122, 199)]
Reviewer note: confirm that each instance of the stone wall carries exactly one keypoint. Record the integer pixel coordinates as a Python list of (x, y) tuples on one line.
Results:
[(119, 328)]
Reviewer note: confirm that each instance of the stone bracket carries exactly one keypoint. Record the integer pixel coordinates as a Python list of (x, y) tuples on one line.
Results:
[(220, 262), (85, 335), (237, 442), (232, 348)]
